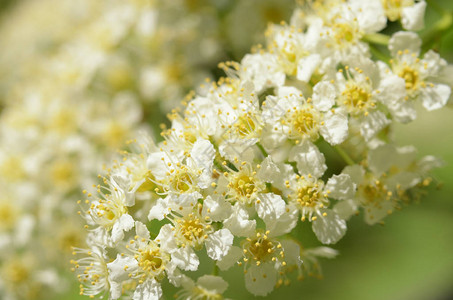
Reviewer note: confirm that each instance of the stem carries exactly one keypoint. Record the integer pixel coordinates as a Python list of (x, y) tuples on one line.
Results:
[(377, 38), (263, 151), (215, 270), (344, 155), (379, 54), (219, 165)]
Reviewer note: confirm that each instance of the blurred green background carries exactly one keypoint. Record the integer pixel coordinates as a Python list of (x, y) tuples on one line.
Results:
[(411, 256)]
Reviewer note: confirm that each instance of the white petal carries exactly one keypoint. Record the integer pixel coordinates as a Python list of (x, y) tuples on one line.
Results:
[(405, 40), (329, 229), (404, 180), (374, 213), (174, 275), (122, 183), (203, 154), (263, 70), (308, 158), (159, 210), (124, 223), (214, 284), (260, 280), (24, 229), (372, 124), (341, 187), (268, 171), (324, 94), (370, 14), (292, 252), (356, 173), (325, 252), (185, 199), (239, 223), (392, 93), (429, 162), (166, 238), (382, 158), (403, 111), (346, 209), (270, 207), (335, 128), (116, 290), (284, 224), (117, 268), (217, 208), (412, 16), (242, 148), (306, 66), (230, 259), (141, 230), (435, 97), (434, 64), (186, 259), (219, 243), (148, 290)]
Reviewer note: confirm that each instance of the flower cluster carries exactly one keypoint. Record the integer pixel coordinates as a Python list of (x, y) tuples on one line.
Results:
[(297, 134), (77, 79)]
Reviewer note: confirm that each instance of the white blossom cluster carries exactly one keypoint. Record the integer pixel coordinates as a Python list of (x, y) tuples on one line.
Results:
[(76, 81), (246, 161)]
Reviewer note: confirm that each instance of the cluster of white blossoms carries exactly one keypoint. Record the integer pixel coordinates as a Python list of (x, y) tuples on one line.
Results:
[(244, 163), (77, 79)]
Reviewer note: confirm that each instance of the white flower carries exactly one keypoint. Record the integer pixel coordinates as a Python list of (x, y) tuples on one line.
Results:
[(410, 12), (308, 158), (309, 195), (301, 119), (263, 69), (110, 211), (146, 262), (207, 287), (358, 93), (420, 75), (192, 230), (265, 259), (382, 189), (91, 271)]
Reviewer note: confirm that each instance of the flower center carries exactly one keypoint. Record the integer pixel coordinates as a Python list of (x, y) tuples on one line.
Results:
[(8, 215), (151, 261), (17, 273), (411, 77), (192, 230), (246, 125), (357, 99), (12, 169), (373, 193), (304, 123), (309, 197), (344, 32), (243, 185), (261, 249), (182, 182), (149, 183), (203, 294), (393, 8), (63, 173), (106, 212)]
